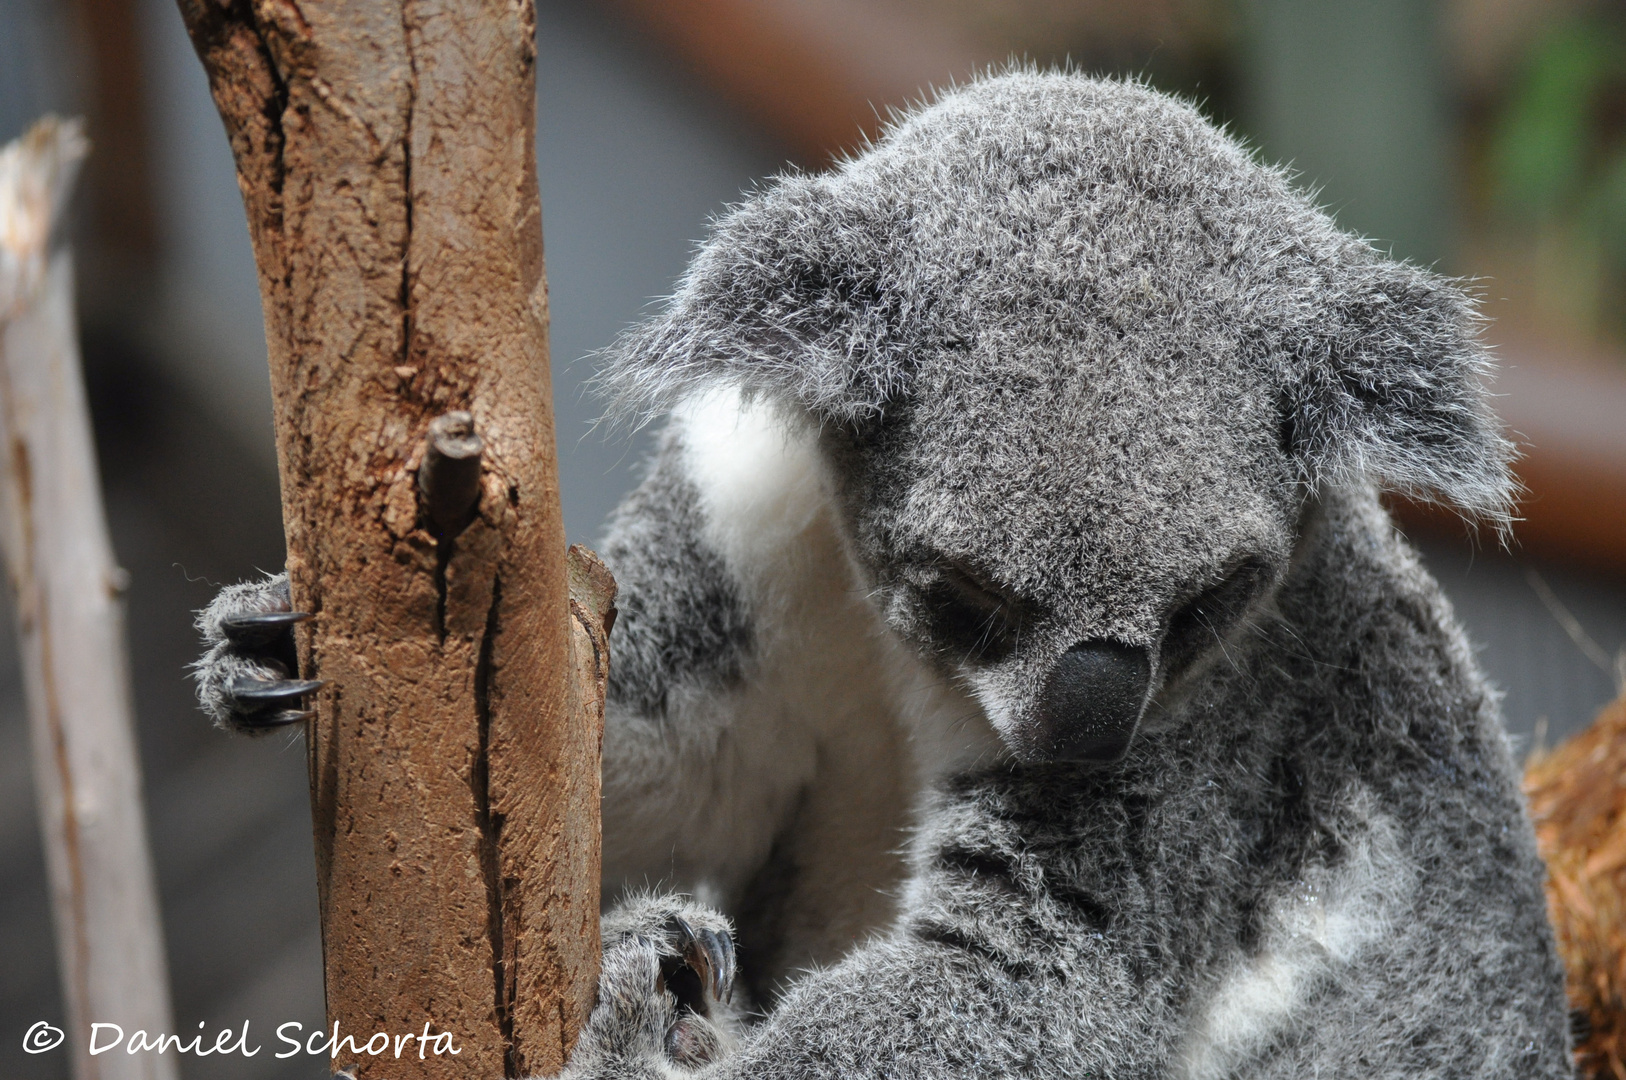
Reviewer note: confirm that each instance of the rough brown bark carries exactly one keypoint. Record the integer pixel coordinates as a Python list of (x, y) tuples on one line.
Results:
[(385, 151), (1579, 808), (70, 614)]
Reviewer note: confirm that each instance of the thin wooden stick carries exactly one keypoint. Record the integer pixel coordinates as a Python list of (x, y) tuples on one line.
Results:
[(70, 614)]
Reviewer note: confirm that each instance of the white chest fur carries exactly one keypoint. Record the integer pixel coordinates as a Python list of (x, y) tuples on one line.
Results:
[(1316, 929), (837, 726)]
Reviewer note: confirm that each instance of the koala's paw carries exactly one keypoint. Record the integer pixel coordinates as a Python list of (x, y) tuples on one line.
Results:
[(248, 676), (663, 991)]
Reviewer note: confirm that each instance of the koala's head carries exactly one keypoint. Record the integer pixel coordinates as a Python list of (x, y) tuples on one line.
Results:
[(1077, 360)]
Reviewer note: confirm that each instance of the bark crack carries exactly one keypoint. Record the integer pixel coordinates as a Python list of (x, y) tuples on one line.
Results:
[(444, 549), (491, 824), (407, 327)]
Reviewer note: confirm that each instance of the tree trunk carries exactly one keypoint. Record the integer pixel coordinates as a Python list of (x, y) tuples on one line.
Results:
[(385, 150), (70, 613)]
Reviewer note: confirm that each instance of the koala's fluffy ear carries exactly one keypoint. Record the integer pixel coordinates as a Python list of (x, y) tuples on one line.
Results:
[(1388, 385), (785, 300)]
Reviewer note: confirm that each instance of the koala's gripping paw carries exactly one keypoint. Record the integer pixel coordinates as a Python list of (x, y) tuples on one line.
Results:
[(664, 989), (247, 678)]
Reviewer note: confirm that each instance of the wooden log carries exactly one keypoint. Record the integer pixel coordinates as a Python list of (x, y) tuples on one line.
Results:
[(70, 614), (385, 151)]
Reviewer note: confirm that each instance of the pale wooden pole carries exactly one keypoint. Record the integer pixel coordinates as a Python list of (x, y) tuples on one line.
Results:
[(386, 154), (70, 613)]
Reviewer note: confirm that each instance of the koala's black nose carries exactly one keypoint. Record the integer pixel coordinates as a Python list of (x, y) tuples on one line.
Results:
[(1091, 704)]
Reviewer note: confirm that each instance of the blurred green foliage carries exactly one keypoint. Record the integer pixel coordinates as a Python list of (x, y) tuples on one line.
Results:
[(1548, 153), (1558, 156)]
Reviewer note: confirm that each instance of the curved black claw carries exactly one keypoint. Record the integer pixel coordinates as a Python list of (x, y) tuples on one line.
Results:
[(264, 693), (705, 963), (258, 629), (720, 947), (269, 703)]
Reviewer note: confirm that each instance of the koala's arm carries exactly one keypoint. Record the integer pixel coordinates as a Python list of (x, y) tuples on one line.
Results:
[(936, 997), (698, 777), (701, 772), (994, 974)]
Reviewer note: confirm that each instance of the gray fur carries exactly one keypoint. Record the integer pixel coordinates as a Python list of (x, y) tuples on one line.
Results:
[(1056, 362), (1060, 346), (693, 636), (1011, 220)]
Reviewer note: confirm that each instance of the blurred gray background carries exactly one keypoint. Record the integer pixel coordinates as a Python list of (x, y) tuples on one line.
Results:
[(634, 156)]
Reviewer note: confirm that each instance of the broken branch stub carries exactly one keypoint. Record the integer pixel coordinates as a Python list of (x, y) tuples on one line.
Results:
[(385, 151), (449, 478)]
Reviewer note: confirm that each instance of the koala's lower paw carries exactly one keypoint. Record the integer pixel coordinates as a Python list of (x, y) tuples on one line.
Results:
[(664, 989), (247, 677)]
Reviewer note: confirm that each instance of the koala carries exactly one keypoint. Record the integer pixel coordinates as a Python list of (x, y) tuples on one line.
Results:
[(1017, 672)]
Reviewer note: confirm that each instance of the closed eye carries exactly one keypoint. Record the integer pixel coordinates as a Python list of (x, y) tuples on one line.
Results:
[(1204, 621), (970, 620)]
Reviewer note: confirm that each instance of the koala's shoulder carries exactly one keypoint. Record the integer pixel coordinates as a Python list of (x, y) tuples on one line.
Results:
[(682, 618)]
